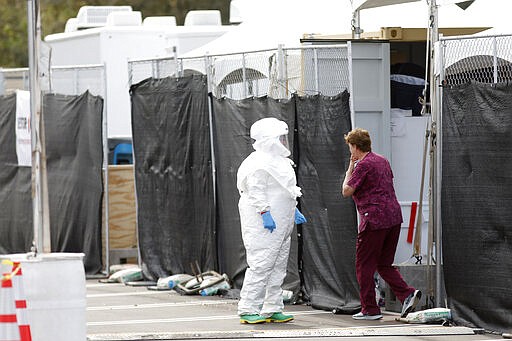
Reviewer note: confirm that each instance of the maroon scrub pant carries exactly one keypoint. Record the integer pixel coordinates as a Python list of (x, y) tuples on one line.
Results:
[(375, 251)]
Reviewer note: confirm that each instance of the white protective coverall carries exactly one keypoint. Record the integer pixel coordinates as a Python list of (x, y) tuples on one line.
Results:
[(266, 182)]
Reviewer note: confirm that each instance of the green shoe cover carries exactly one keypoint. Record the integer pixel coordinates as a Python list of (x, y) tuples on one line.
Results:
[(251, 319), (279, 318)]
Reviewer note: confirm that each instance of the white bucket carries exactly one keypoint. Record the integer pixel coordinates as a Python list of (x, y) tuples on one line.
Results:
[(55, 292)]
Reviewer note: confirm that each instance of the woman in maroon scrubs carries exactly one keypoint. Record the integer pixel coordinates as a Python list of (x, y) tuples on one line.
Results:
[(369, 180)]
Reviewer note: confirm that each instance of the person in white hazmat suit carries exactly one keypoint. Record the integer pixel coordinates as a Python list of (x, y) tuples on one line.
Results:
[(268, 198)]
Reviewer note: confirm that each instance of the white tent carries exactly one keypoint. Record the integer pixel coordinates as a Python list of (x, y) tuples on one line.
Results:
[(270, 23), (482, 13)]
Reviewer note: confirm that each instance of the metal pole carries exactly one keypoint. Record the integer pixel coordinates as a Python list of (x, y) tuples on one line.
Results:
[(495, 59), (2, 80), (285, 72), (244, 77), (175, 56), (436, 161), (351, 85), (315, 68), (207, 73), (212, 150), (280, 72), (439, 231), (356, 24), (153, 69), (39, 184), (76, 78), (105, 167), (158, 69)]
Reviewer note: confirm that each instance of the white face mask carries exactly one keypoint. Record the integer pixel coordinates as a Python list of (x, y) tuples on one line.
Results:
[(284, 141), (280, 148), (273, 146)]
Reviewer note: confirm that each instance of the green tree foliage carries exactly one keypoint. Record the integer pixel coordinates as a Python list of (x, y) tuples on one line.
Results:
[(55, 13), (13, 33)]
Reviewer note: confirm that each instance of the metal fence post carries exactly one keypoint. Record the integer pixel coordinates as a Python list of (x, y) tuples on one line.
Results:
[(76, 76), (315, 70), (244, 77), (285, 70), (281, 79), (212, 151), (105, 167), (130, 73), (157, 67), (495, 59), (207, 72), (153, 68), (40, 202), (351, 84), (439, 137), (2, 87)]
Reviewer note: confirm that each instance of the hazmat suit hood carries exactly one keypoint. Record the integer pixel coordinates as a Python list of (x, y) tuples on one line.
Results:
[(266, 133)]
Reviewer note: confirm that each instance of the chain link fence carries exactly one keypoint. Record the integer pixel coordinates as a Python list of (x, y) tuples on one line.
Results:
[(66, 80), (13, 79), (280, 72), (138, 70), (486, 59), (75, 80), (277, 73)]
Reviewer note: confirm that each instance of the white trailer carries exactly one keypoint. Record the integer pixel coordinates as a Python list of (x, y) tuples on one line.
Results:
[(112, 35)]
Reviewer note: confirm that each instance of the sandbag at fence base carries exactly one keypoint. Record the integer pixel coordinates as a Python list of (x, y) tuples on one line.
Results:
[(428, 316), (55, 292), (126, 275)]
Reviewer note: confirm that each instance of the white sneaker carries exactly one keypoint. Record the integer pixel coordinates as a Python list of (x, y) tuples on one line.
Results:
[(361, 316), (410, 302)]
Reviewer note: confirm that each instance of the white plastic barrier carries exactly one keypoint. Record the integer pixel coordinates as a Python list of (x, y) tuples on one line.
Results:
[(55, 291)]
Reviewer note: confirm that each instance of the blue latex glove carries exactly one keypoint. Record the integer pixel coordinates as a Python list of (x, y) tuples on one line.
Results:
[(268, 221), (299, 217)]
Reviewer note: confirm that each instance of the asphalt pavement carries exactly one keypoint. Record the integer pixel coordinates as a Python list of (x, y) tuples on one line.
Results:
[(116, 311)]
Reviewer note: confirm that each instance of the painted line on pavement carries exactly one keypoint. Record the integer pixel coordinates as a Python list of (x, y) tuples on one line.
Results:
[(136, 293), (160, 305), (416, 331), (98, 285), (192, 319)]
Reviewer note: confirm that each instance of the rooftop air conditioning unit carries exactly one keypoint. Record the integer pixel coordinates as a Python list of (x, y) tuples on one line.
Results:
[(206, 17), (237, 8), (96, 16), (160, 21), (71, 25), (124, 19)]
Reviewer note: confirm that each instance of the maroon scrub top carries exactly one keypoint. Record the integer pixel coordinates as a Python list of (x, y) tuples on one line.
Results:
[(374, 195)]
